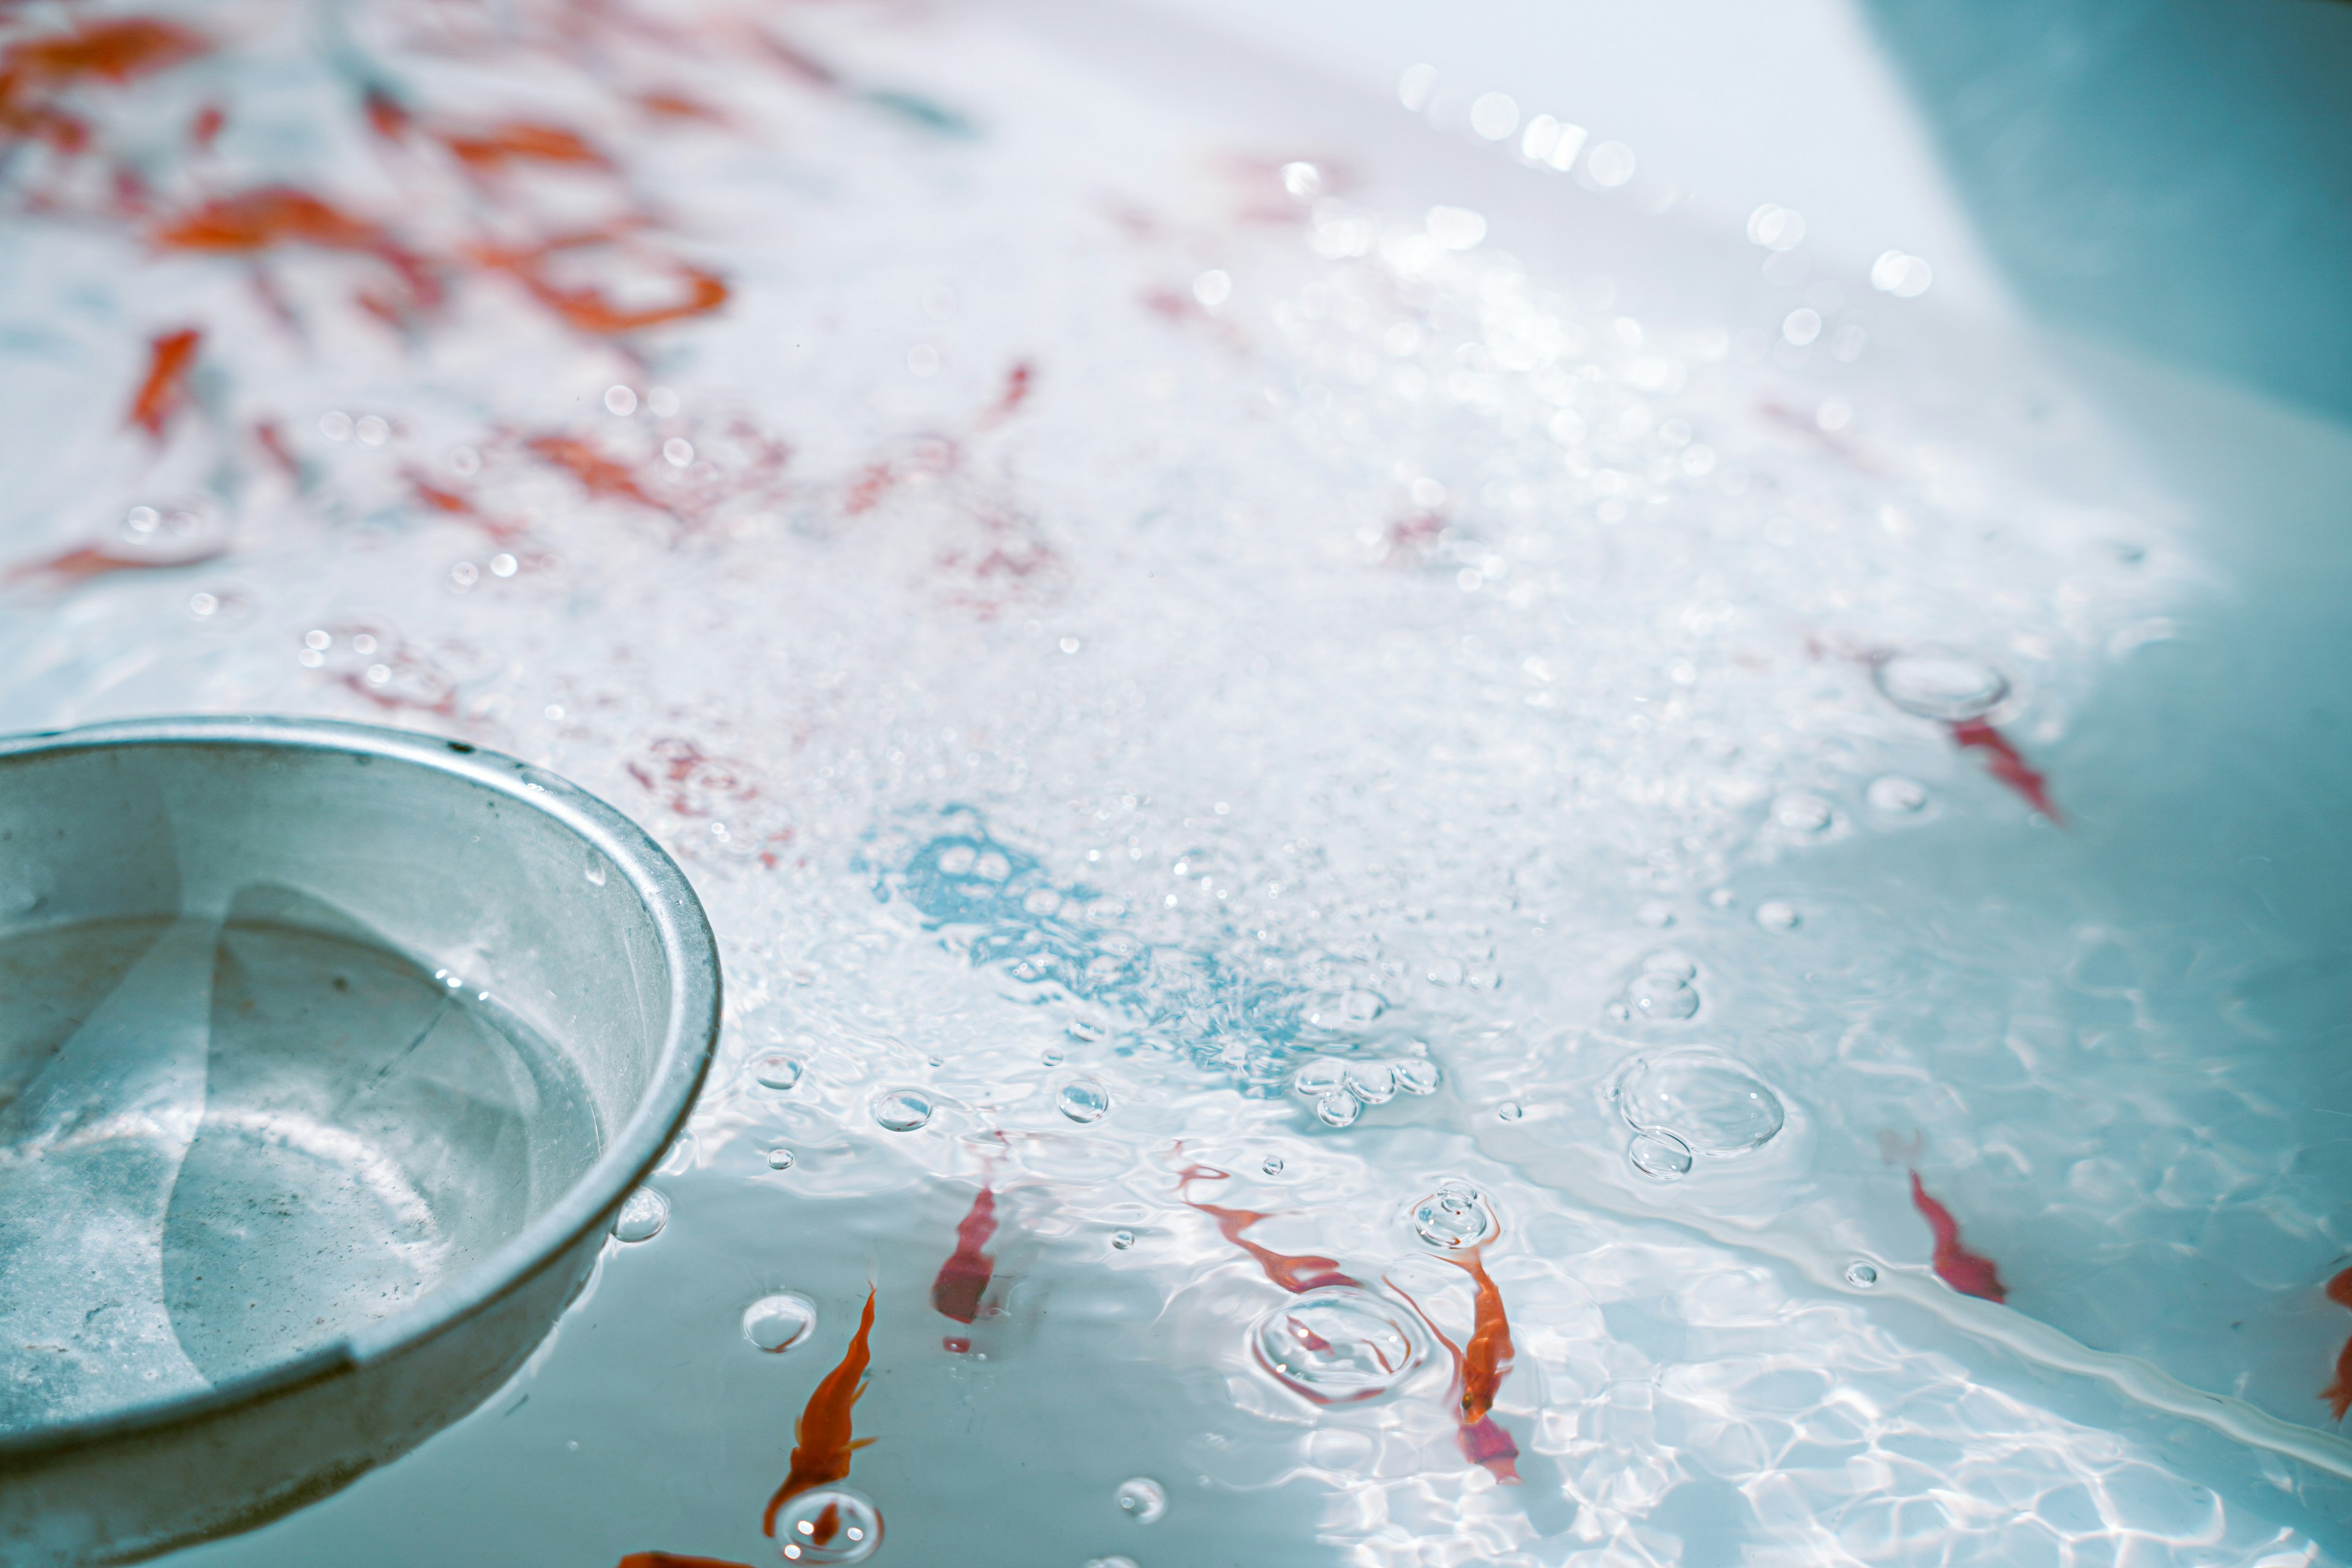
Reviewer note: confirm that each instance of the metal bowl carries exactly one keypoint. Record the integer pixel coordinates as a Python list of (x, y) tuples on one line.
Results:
[(327, 1054)]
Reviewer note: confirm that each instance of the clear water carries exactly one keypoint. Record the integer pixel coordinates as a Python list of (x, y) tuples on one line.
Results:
[(334, 1134), (1184, 631)]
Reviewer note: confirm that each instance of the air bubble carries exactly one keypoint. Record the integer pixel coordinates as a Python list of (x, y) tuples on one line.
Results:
[(1272, 1166), (1662, 995), (1896, 795), (1337, 1344), (902, 1109), (1661, 1156), (1453, 1217), (1114, 1561), (1374, 1083), (1083, 1099), (643, 1215), (1805, 814), (1708, 1103), (1777, 914), (1938, 683), (829, 1525), (779, 1322), (1861, 1275), (1415, 1076), (1142, 1499), (780, 1159), (1320, 1077), (1338, 1108), (776, 1070), (1511, 1111), (1122, 1239)]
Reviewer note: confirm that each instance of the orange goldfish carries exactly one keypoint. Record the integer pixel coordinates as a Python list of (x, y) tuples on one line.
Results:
[(2338, 1394), (1478, 1373), (820, 1441), (258, 220), (674, 1560), (522, 141), (964, 1276), (1305, 1272), (169, 357), (1965, 1271), (598, 474)]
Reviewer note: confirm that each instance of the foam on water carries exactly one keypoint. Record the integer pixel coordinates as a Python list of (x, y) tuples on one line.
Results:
[(1164, 644)]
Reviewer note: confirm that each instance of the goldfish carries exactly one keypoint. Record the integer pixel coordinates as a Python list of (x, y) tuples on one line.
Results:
[(2338, 1394), (675, 1560), (598, 474), (169, 357), (269, 216), (964, 1276), (2006, 763), (1305, 1272), (522, 141), (820, 1441), (97, 561), (589, 310), (1955, 1264), (1478, 1373)]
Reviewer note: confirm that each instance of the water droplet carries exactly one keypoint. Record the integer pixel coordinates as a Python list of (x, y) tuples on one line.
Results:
[(1859, 1273), (1659, 1155), (1337, 1344), (1708, 1102), (1803, 813), (1272, 1166), (780, 1159), (831, 1524), (1374, 1083), (1142, 1499), (1320, 1077), (1656, 913), (776, 1070), (1338, 1108), (1938, 683), (1051, 1057), (957, 859), (1083, 1099), (1896, 795), (1662, 995), (642, 1215), (594, 871), (779, 1322), (1454, 1216), (1415, 1076), (1669, 961), (902, 1109), (1122, 1239), (1511, 1111), (1776, 914)]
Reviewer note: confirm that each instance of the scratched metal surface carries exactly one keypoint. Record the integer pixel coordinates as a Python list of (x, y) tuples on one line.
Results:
[(1103, 579)]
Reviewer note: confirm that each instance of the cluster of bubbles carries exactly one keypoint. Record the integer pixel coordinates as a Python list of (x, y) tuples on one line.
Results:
[(1665, 990), (1000, 904), (1693, 1103), (1339, 1087)]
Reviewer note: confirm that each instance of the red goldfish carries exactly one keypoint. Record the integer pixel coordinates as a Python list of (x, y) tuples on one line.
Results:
[(1955, 1264), (1305, 1272), (675, 1560), (820, 1441), (169, 357), (1478, 1373), (590, 310), (258, 220), (2338, 1394), (964, 1276), (2006, 763), (598, 474)]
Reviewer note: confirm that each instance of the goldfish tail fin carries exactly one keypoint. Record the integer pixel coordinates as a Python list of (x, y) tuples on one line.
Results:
[(863, 1442), (860, 1390)]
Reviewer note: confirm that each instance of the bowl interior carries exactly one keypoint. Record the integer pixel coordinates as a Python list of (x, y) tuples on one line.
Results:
[(289, 1037)]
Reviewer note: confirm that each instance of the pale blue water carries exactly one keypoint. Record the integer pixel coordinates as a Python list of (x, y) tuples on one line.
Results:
[(1351, 648)]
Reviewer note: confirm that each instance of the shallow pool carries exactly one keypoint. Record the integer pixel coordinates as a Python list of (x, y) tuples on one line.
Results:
[(1309, 730)]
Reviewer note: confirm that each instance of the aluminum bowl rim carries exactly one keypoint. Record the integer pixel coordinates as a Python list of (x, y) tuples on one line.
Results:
[(689, 1035)]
